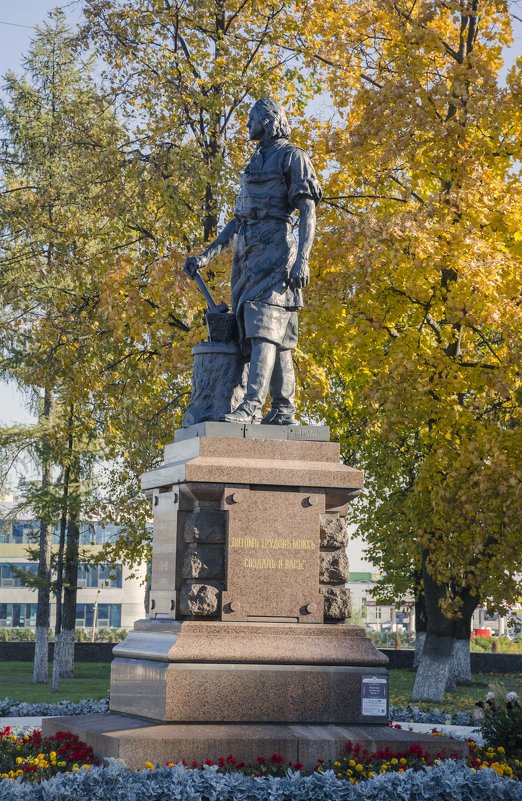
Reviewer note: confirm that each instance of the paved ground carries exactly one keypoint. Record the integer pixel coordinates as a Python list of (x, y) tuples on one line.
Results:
[(21, 723), (460, 732)]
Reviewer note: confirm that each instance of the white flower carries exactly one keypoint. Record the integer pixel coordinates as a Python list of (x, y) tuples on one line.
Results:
[(511, 697), (490, 696)]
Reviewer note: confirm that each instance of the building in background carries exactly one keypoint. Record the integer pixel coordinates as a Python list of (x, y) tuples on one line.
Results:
[(392, 618), (108, 598)]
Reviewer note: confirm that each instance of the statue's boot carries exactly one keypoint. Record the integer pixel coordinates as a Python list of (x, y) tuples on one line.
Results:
[(262, 359), (282, 391)]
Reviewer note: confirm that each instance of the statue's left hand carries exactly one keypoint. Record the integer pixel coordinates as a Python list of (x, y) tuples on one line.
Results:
[(299, 274)]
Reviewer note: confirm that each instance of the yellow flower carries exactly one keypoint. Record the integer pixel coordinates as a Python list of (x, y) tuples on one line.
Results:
[(339, 775), (371, 774), (53, 754), (61, 764), (149, 765), (501, 750), (352, 763), (75, 767), (403, 761), (359, 768), (337, 764), (394, 761), (19, 760)]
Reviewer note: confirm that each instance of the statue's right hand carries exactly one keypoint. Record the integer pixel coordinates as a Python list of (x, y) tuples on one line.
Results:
[(192, 265)]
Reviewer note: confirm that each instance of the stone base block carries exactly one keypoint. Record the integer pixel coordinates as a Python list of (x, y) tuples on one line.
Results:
[(135, 741), (193, 692), (269, 643)]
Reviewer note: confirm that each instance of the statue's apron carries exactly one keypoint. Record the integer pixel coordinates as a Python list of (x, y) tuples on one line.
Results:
[(264, 252)]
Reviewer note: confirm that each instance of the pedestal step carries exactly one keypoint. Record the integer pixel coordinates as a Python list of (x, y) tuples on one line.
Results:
[(136, 741)]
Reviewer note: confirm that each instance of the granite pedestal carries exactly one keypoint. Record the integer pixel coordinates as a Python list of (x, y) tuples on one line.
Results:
[(246, 648)]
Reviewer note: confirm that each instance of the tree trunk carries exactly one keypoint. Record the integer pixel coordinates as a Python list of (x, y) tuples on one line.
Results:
[(434, 672), (57, 658), (59, 588), (434, 675), (421, 623), (69, 597), (420, 641), (461, 666), (59, 564), (43, 608)]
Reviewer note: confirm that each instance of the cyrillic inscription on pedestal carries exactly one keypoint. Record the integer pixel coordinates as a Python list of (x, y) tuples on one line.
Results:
[(273, 555)]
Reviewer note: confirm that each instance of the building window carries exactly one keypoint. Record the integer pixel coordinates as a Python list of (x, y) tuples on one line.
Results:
[(99, 576), (19, 531), (17, 616), (93, 533), (108, 616), (97, 534), (9, 578)]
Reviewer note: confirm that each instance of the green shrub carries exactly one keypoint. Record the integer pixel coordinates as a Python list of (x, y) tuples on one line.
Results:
[(481, 644), (502, 723), (82, 635)]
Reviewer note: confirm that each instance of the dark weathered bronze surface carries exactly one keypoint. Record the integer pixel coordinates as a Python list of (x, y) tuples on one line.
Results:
[(269, 272)]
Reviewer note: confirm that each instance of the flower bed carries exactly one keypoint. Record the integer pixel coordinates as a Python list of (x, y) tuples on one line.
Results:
[(412, 714), (17, 709), (32, 757), (409, 714), (446, 782)]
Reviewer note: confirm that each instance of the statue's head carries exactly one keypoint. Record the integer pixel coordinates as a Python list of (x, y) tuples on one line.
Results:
[(268, 118)]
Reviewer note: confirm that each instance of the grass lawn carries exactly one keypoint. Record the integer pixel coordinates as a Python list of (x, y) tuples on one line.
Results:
[(92, 681), (462, 700)]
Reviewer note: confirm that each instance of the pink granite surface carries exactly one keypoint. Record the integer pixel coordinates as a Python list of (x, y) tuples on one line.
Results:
[(135, 741)]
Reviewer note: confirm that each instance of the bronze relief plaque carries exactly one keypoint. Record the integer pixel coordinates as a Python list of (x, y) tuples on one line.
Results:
[(272, 555)]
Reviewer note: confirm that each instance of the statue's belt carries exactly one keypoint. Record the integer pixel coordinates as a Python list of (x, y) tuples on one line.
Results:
[(261, 215)]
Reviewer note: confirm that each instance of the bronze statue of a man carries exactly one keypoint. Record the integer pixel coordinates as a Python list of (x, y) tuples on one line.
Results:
[(269, 267)]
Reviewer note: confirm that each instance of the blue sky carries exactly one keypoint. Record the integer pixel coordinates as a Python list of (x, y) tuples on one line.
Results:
[(18, 19)]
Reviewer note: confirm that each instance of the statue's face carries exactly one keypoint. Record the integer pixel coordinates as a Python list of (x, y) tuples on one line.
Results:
[(255, 126)]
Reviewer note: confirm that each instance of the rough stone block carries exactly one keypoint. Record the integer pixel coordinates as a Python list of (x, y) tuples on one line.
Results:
[(337, 603), (203, 525), (203, 561), (334, 567), (333, 532), (199, 599)]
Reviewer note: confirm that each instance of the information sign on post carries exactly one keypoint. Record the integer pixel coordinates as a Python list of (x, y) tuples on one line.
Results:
[(374, 696)]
